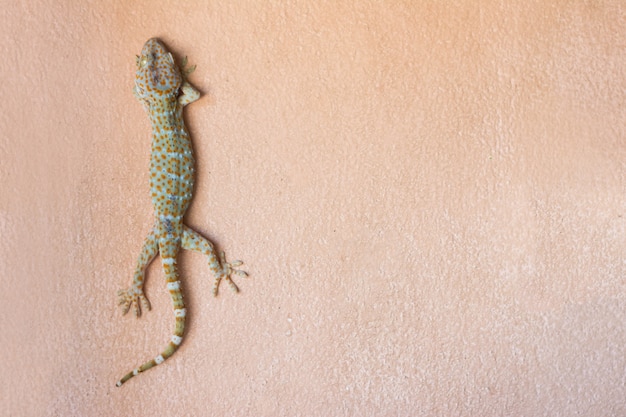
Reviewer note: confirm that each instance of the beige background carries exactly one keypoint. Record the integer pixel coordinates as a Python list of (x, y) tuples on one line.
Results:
[(429, 197)]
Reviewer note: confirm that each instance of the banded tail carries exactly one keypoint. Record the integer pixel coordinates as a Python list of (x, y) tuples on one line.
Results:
[(173, 285)]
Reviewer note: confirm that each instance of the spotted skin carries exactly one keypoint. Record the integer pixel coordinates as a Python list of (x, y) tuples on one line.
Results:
[(163, 90)]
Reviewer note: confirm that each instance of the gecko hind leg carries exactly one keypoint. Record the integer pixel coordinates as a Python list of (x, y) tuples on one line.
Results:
[(193, 240), (135, 293)]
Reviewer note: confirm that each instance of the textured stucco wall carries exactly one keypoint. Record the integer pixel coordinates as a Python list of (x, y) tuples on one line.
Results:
[(430, 198)]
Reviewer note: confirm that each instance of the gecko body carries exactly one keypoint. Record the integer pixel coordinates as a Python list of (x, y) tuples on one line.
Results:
[(163, 90)]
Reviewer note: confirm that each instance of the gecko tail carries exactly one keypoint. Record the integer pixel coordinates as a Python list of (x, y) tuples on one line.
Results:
[(173, 285), (172, 347)]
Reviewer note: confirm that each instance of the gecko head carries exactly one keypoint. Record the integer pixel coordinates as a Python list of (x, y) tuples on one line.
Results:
[(157, 74)]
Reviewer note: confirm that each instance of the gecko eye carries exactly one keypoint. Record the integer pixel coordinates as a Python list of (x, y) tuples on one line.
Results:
[(142, 61)]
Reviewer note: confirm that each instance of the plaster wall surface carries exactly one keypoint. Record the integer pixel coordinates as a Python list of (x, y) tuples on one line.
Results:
[(429, 197)]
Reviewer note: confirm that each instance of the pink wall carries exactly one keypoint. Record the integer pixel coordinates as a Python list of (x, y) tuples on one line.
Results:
[(430, 200)]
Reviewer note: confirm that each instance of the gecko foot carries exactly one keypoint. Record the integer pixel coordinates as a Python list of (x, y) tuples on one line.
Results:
[(130, 296), (186, 70), (228, 269)]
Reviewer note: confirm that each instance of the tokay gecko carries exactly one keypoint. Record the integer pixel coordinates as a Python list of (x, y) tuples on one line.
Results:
[(163, 90)]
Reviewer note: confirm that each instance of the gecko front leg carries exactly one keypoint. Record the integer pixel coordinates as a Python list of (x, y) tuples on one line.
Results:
[(135, 293), (188, 93)]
